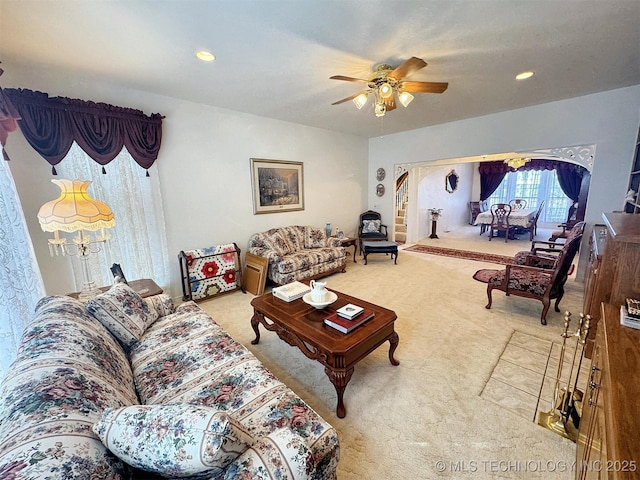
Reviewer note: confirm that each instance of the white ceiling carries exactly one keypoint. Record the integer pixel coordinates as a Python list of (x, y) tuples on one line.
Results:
[(275, 57)]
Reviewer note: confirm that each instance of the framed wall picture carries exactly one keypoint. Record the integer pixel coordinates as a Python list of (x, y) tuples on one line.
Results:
[(277, 186)]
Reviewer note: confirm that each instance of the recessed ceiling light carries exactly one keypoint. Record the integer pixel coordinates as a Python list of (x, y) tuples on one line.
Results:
[(205, 56), (524, 75)]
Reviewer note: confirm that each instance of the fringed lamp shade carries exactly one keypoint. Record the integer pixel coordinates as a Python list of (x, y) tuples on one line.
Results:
[(74, 210)]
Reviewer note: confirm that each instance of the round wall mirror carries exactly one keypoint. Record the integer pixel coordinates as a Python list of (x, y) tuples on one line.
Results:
[(451, 181)]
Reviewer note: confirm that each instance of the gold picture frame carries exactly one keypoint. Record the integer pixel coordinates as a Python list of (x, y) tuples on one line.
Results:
[(277, 186)]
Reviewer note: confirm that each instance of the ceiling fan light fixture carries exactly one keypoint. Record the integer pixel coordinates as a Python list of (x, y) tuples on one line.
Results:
[(385, 90), (205, 56), (525, 75), (361, 100), (405, 99), (380, 109)]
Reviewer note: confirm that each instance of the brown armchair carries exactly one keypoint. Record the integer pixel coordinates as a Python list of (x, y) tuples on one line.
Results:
[(543, 284), (543, 254), (500, 219), (566, 226), (371, 228)]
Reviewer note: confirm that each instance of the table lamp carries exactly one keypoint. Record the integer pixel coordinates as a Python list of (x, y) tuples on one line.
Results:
[(75, 211)]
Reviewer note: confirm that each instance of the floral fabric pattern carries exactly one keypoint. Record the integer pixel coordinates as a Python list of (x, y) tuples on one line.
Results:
[(293, 258), (523, 280), (69, 369), (162, 304), (175, 440), (370, 226), (280, 455), (188, 358), (314, 237), (125, 314)]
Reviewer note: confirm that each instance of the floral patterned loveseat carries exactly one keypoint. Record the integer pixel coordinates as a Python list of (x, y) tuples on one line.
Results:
[(166, 389), (298, 253)]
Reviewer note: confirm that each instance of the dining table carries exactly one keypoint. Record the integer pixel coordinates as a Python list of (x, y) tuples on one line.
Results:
[(517, 218)]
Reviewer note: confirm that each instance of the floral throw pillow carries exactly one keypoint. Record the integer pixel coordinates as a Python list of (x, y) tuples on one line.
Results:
[(370, 226), (123, 312), (173, 440), (314, 237)]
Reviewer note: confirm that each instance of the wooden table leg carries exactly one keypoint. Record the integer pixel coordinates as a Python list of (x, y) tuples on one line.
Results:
[(340, 379), (394, 339), (255, 321)]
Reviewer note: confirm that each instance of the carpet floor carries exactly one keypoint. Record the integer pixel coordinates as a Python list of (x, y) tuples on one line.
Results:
[(428, 417)]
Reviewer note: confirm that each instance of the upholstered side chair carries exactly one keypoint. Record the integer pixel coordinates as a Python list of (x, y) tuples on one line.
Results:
[(371, 228), (543, 282)]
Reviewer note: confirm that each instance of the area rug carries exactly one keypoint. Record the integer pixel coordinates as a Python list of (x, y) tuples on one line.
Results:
[(464, 254)]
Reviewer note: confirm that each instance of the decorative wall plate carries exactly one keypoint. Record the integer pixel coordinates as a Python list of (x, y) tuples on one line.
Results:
[(380, 190), (380, 174)]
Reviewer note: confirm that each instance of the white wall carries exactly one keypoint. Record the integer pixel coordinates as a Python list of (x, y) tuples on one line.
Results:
[(432, 194), (204, 169), (608, 119)]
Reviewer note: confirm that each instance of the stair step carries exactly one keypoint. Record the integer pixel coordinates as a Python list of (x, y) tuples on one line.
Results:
[(401, 228), (399, 221), (400, 237)]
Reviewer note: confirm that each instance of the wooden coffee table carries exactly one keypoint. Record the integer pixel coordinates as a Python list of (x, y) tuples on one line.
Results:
[(302, 326)]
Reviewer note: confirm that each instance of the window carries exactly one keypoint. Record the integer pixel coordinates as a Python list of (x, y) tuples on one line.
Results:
[(138, 241), (534, 186)]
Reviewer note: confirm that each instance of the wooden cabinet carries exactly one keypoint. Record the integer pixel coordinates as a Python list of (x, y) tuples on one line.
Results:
[(608, 444), (613, 276), (596, 250)]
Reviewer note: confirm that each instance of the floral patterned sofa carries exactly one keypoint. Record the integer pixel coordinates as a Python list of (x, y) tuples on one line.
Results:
[(166, 389), (298, 253)]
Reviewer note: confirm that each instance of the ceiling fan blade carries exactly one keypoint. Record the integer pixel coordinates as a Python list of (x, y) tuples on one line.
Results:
[(424, 87), (390, 103), (348, 98), (407, 68), (348, 79)]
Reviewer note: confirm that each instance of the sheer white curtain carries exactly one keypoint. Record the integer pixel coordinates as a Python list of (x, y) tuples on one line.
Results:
[(138, 241), (20, 281)]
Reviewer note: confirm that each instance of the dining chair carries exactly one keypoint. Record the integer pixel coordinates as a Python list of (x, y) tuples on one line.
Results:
[(518, 204), (500, 219), (474, 210), (532, 225)]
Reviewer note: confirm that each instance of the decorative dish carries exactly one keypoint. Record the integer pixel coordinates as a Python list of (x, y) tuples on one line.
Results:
[(330, 297)]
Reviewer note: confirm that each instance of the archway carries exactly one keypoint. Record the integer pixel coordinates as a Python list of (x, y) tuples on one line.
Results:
[(583, 155)]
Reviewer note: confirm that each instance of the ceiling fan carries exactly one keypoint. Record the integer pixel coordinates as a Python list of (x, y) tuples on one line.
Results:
[(386, 82)]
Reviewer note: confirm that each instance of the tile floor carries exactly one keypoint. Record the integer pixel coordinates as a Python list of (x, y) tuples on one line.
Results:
[(524, 378)]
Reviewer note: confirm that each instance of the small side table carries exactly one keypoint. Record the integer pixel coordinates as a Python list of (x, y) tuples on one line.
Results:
[(350, 242), (145, 288)]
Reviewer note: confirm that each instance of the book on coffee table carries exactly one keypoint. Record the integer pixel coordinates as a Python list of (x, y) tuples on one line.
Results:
[(350, 311), (291, 291), (344, 325)]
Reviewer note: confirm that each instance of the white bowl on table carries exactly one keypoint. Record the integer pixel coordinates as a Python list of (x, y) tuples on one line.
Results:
[(329, 298)]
